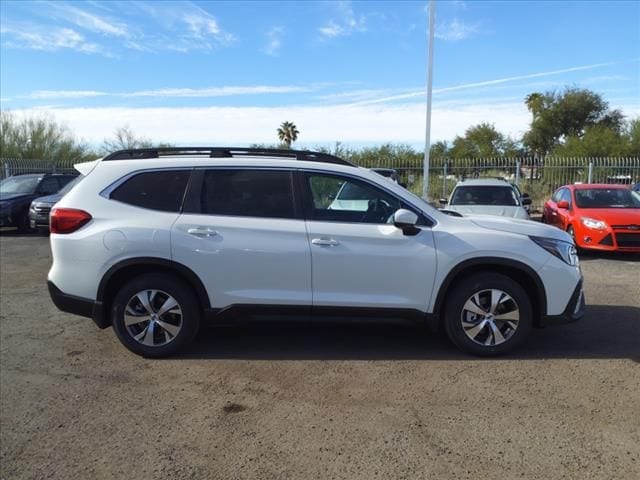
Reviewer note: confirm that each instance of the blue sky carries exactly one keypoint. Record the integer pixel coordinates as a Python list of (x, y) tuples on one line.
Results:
[(231, 72)]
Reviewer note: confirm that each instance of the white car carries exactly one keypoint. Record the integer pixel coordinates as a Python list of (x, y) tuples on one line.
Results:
[(487, 196), (156, 241)]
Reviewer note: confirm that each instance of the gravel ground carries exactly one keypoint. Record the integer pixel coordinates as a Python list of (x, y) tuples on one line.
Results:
[(353, 402)]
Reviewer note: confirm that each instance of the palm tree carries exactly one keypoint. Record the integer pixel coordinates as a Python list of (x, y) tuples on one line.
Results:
[(288, 133)]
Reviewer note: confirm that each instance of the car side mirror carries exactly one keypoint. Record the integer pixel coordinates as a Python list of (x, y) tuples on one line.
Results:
[(526, 200), (406, 221), (443, 201), (563, 204)]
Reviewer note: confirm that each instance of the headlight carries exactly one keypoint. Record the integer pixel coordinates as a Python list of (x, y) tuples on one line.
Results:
[(592, 223), (565, 251)]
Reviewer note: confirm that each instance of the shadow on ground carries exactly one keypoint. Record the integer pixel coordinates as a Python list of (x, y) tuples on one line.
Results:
[(604, 332)]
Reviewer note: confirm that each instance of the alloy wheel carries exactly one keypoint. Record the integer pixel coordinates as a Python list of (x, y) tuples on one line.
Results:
[(490, 317), (153, 318)]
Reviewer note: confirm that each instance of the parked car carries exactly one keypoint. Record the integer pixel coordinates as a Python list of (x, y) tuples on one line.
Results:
[(41, 206), (598, 217), (17, 192), (169, 238), (488, 196)]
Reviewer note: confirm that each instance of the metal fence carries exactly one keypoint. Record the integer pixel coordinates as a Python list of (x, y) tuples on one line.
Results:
[(538, 177), (20, 166)]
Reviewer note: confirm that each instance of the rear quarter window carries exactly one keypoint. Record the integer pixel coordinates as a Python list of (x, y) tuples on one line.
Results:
[(159, 190)]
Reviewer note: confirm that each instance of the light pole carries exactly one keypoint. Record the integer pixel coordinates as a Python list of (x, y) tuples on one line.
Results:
[(427, 143)]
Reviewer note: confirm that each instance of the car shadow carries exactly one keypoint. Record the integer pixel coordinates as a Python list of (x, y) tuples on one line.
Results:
[(14, 233), (586, 256), (604, 332)]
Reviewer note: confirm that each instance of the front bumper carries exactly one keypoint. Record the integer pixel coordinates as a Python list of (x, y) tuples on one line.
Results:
[(78, 306), (574, 311)]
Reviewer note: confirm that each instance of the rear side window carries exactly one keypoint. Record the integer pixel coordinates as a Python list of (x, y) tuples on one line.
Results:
[(161, 190), (246, 193)]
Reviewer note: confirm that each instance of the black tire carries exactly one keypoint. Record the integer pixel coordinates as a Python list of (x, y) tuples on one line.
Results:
[(455, 313), (166, 286)]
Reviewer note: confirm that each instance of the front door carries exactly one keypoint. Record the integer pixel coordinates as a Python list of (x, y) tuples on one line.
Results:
[(358, 258)]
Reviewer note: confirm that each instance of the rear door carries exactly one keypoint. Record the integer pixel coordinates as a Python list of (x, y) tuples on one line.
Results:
[(241, 233), (358, 258)]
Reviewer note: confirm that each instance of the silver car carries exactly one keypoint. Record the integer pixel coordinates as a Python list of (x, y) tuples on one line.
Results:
[(487, 196)]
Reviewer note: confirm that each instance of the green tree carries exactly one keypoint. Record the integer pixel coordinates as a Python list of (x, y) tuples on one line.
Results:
[(288, 133), (559, 116), (39, 137), (633, 134), (479, 141)]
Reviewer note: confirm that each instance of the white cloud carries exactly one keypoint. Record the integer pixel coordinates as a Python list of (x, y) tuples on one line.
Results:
[(466, 86), (219, 91), (345, 24), (204, 26), (90, 21), (456, 30), (49, 94), (317, 124), (49, 39), (274, 41)]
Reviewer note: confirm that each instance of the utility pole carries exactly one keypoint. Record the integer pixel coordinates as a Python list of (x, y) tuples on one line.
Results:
[(427, 143)]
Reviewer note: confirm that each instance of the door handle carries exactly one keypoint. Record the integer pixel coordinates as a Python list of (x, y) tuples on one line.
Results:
[(328, 242), (202, 232)]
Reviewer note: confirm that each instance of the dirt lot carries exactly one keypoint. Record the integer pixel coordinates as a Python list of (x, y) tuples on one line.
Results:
[(357, 402)]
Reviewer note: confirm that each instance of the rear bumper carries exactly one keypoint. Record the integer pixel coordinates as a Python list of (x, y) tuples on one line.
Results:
[(78, 305), (573, 312)]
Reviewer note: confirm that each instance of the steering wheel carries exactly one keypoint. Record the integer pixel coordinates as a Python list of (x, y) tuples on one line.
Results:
[(378, 210)]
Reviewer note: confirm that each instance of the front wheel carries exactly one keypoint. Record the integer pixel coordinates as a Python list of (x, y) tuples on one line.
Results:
[(488, 314), (155, 315)]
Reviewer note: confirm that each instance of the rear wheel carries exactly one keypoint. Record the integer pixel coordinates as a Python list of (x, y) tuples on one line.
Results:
[(488, 314), (155, 315)]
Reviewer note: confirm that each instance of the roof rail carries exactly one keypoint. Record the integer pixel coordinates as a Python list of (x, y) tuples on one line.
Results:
[(224, 152)]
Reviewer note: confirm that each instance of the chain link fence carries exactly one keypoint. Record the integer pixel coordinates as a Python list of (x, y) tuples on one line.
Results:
[(538, 177)]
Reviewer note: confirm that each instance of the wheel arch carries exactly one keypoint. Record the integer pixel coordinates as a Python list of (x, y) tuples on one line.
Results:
[(133, 267), (521, 273)]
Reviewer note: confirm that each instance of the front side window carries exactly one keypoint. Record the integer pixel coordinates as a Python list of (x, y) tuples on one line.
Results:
[(157, 190), (342, 199), (247, 193)]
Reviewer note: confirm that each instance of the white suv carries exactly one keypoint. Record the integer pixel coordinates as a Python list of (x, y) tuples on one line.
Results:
[(156, 241)]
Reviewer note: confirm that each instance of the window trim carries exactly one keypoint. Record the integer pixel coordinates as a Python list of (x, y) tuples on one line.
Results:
[(106, 192), (423, 219), (191, 204)]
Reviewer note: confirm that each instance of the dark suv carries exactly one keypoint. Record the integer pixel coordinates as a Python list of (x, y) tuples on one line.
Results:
[(17, 192)]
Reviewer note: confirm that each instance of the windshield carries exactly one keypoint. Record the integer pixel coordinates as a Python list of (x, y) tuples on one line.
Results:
[(19, 185), (607, 198), (484, 195)]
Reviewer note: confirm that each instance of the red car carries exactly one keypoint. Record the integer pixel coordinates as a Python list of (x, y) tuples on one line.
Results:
[(599, 217)]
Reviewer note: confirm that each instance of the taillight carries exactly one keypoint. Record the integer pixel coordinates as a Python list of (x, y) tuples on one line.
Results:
[(67, 220)]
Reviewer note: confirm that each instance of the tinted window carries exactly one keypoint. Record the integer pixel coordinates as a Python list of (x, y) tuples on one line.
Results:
[(566, 195), (49, 185), (484, 195), (162, 190), (341, 199), (247, 193)]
